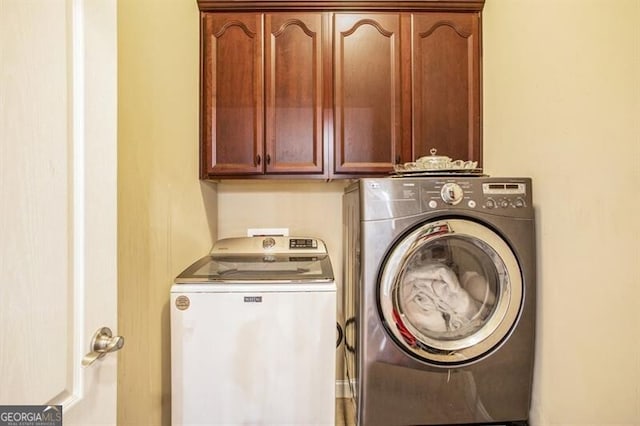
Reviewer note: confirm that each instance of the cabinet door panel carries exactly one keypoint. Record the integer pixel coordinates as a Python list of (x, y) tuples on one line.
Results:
[(446, 78), (367, 92), (294, 128), (232, 94)]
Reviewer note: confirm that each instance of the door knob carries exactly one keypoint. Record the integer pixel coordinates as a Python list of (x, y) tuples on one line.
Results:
[(102, 343)]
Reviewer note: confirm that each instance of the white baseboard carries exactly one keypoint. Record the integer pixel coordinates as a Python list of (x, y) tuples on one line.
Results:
[(342, 389)]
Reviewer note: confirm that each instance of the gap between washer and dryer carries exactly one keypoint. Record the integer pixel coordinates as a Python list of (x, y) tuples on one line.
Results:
[(345, 415)]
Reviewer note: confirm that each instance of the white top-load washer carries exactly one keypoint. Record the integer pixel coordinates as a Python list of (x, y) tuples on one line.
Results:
[(253, 335)]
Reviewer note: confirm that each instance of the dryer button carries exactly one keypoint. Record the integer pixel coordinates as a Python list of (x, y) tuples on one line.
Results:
[(433, 204), (472, 204)]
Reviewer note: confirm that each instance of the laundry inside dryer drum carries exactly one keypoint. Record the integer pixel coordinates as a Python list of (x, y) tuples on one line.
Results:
[(447, 295)]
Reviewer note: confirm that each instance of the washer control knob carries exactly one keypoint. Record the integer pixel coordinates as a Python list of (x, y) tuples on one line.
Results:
[(451, 193), (504, 203), (490, 203), (267, 243), (518, 203)]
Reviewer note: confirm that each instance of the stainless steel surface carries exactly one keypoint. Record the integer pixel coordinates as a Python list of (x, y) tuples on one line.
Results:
[(270, 244), (456, 350), (102, 343), (262, 259), (451, 193), (435, 162), (406, 368)]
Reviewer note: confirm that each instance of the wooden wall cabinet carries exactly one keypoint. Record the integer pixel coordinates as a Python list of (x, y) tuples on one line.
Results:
[(446, 85), (337, 89), (367, 101), (262, 103), (232, 94)]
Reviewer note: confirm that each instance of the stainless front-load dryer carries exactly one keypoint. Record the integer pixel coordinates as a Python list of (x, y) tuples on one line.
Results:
[(439, 299)]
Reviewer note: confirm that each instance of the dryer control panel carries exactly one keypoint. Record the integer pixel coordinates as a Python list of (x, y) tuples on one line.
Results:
[(451, 193), (504, 195), (402, 197), (496, 195), (488, 194)]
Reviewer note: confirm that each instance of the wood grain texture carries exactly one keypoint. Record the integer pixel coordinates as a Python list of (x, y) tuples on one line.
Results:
[(337, 5), (446, 85), (367, 91), (233, 93), (294, 94), (346, 94)]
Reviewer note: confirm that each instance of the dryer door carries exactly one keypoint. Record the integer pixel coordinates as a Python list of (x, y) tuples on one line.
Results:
[(450, 292)]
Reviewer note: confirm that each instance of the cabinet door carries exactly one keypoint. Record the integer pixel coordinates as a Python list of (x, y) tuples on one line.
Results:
[(367, 92), (232, 94), (446, 78), (294, 91)]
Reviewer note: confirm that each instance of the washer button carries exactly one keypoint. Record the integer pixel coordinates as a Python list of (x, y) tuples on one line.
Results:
[(471, 204), (433, 204), (267, 243)]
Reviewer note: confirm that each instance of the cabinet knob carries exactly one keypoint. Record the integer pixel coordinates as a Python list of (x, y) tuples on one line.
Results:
[(258, 160), (268, 158), (398, 159)]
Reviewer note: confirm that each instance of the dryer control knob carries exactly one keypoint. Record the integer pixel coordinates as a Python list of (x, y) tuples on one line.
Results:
[(451, 193)]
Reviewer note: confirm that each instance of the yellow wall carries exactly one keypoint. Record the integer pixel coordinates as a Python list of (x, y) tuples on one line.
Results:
[(166, 217), (561, 104)]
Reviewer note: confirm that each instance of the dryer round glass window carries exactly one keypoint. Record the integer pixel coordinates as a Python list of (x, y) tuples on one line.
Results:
[(450, 291)]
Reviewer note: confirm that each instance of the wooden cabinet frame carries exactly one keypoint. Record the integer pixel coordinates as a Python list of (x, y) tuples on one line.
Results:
[(411, 97), (337, 5), (243, 103)]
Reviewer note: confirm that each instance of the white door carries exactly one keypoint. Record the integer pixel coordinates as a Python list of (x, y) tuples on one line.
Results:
[(58, 204)]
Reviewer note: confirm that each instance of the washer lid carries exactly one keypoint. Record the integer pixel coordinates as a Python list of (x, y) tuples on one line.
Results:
[(262, 259)]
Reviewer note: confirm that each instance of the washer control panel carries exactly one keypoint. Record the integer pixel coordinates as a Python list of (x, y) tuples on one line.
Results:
[(303, 243), (262, 245)]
